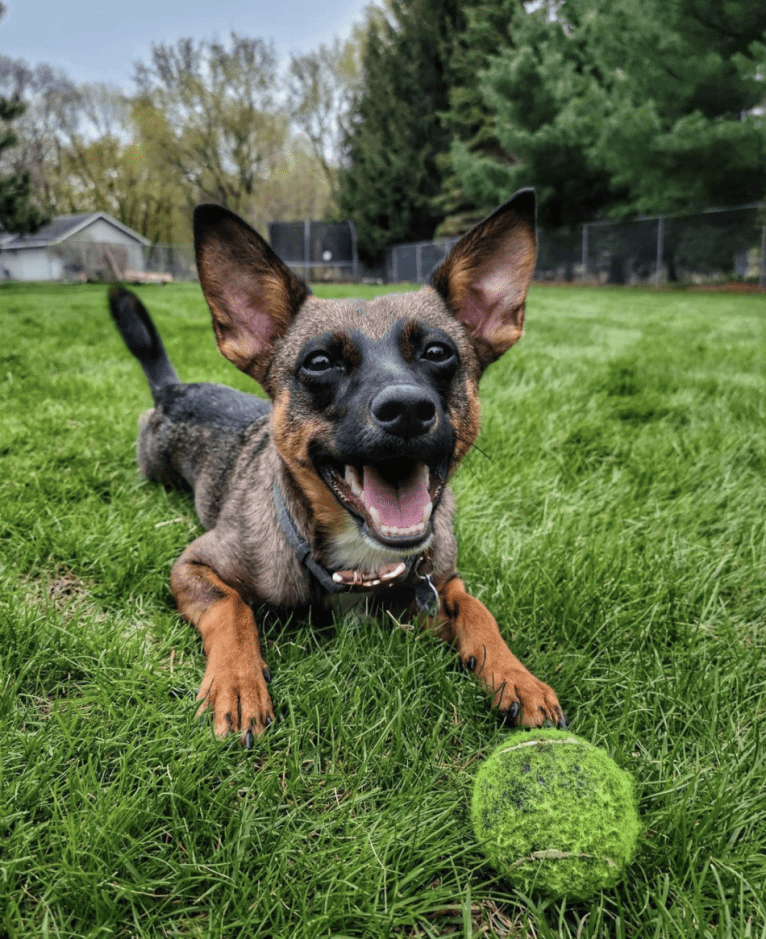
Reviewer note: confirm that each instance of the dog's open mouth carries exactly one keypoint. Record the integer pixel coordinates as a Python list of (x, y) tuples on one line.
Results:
[(396, 497)]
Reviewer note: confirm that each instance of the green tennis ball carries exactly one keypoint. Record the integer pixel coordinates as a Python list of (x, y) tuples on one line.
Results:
[(555, 815)]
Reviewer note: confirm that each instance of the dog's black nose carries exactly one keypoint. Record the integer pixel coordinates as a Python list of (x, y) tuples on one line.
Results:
[(403, 410)]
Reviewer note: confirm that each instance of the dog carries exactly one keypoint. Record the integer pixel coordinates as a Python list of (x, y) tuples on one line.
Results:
[(337, 485)]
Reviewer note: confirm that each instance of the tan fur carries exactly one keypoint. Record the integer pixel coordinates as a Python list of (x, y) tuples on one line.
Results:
[(465, 622), (263, 318), (234, 686), (292, 439)]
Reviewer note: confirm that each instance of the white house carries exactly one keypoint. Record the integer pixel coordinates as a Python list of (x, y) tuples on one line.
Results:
[(73, 247)]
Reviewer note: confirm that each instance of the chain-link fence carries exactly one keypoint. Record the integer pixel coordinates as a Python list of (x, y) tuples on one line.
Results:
[(317, 251), (713, 246), (722, 245), (414, 263)]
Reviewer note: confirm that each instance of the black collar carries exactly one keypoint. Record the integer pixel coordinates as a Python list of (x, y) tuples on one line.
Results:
[(425, 592)]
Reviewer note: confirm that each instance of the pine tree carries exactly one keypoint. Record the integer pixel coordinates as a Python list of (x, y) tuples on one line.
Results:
[(394, 174), (682, 131), (17, 210), (470, 121), (623, 107)]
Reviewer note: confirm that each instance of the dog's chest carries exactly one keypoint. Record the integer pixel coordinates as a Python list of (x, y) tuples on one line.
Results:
[(351, 549)]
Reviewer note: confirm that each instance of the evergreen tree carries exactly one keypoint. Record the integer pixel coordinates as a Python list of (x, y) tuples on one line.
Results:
[(682, 131), (544, 96), (394, 175), (470, 119), (624, 107), (18, 212)]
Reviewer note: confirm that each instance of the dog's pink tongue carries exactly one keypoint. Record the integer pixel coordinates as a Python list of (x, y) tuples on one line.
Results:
[(401, 505)]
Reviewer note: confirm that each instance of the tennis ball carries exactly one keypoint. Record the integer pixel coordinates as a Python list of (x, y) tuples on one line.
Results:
[(555, 815)]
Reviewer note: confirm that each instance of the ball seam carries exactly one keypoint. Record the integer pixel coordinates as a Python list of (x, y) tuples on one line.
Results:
[(553, 854), (544, 742)]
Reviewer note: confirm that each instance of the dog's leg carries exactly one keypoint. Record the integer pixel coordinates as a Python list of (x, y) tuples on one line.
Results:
[(466, 623), (234, 685)]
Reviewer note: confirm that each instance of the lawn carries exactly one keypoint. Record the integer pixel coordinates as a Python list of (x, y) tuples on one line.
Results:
[(612, 517)]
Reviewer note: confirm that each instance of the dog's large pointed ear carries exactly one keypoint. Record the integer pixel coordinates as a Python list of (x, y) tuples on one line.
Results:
[(252, 295), (485, 277)]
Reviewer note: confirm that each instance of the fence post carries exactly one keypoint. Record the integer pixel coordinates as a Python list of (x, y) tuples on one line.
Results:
[(762, 275), (354, 252), (660, 247), (419, 263), (306, 248), (584, 250)]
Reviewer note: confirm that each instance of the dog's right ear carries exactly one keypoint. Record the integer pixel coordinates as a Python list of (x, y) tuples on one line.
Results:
[(253, 296)]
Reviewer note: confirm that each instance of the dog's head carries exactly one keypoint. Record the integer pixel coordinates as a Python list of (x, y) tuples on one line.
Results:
[(375, 402)]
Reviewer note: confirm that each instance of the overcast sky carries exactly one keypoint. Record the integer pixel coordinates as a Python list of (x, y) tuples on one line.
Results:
[(99, 40)]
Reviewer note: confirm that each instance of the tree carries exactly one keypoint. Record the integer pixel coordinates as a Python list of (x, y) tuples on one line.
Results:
[(43, 91), (681, 131), (76, 144), (623, 107), (545, 97), (210, 112), (321, 87), (211, 118), (394, 177), (469, 118), (18, 212)]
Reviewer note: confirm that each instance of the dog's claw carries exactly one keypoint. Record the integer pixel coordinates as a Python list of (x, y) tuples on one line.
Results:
[(266, 675), (511, 714), (470, 663), (249, 740), (561, 723)]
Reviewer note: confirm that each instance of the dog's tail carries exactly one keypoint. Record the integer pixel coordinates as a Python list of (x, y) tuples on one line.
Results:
[(141, 337)]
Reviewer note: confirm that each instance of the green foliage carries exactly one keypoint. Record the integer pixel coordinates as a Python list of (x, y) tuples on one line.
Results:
[(18, 212), (681, 133), (208, 121), (394, 174), (545, 100), (209, 110), (623, 107), (612, 519)]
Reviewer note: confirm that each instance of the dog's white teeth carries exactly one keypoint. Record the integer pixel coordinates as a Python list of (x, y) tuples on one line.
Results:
[(427, 513), (375, 517), (353, 481), (391, 532)]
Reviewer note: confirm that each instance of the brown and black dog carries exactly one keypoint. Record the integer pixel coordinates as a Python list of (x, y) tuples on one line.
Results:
[(339, 484)]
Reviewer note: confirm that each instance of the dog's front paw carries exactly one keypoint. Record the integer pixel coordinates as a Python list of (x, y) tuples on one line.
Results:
[(525, 701), (238, 700), (522, 699)]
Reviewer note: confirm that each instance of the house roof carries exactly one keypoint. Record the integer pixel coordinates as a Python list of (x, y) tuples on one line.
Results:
[(63, 227)]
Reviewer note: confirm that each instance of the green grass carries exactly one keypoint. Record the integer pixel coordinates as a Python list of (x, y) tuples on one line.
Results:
[(612, 518)]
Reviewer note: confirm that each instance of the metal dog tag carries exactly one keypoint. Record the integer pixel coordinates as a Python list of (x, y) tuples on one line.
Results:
[(426, 596)]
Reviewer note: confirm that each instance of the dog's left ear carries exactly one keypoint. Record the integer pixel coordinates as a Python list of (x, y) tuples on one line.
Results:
[(253, 296), (485, 277)]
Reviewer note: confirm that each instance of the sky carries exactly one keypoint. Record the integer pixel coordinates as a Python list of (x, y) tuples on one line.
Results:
[(99, 40)]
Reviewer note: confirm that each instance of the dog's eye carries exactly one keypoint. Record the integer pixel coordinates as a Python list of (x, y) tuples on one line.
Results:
[(437, 352), (317, 362)]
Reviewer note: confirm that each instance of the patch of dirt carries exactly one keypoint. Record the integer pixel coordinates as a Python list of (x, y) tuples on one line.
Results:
[(727, 287)]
